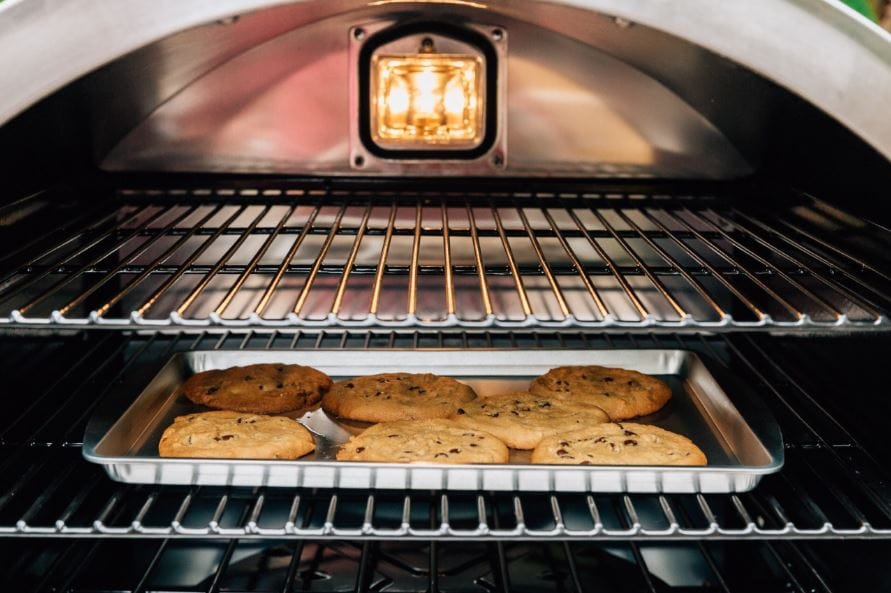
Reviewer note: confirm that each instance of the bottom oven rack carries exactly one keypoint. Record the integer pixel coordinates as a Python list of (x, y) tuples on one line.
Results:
[(834, 484), (186, 566)]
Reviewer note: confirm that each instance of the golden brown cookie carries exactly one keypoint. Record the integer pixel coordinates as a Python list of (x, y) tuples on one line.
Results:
[(424, 441), (615, 443), (618, 392), (235, 435), (396, 396), (258, 388), (522, 419)]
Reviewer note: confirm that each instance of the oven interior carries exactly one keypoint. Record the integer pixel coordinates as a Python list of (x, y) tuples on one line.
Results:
[(198, 194)]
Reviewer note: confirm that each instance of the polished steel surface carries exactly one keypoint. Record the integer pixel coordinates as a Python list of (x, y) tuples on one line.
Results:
[(290, 105), (814, 48), (740, 449)]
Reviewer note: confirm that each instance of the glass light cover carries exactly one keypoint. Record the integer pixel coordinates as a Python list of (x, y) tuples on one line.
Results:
[(427, 100)]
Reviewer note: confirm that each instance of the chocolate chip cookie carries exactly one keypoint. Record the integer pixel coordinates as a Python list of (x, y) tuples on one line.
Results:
[(396, 396), (424, 441), (620, 393), (523, 419), (234, 435), (258, 388), (615, 443)]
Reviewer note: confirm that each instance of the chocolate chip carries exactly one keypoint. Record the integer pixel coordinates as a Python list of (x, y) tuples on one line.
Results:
[(392, 436), (212, 390), (628, 433), (224, 437), (544, 404), (474, 445), (600, 440), (482, 406), (454, 450), (279, 369), (260, 387), (461, 411), (279, 385), (350, 385), (439, 455), (248, 378), (494, 415), (562, 452), (564, 443), (607, 379), (585, 462), (630, 442), (514, 412), (359, 449)]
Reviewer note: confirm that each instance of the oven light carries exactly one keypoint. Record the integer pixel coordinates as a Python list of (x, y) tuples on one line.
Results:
[(427, 99)]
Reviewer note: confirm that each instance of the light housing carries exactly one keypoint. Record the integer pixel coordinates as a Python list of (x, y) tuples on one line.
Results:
[(426, 97)]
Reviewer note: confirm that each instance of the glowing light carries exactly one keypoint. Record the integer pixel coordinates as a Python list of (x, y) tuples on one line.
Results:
[(427, 100)]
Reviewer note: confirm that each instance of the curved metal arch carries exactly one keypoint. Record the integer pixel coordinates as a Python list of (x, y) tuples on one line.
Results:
[(818, 49)]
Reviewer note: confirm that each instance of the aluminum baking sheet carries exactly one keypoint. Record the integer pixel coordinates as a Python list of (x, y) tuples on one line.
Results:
[(742, 441)]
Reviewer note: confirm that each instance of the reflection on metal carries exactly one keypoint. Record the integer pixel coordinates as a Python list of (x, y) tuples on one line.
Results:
[(283, 107), (814, 48)]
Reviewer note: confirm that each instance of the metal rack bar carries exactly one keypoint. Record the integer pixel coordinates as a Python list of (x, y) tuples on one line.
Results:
[(512, 264), (413, 267), (348, 266), (804, 290), (31, 280), (480, 268), (860, 263), (317, 264), (224, 259), (641, 265), (623, 282), (720, 277), (676, 266), (171, 280), (382, 264), (267, 294), (866, 303), (447, 264), (579, 266), (91, 224), (723, 254), (545, 267)]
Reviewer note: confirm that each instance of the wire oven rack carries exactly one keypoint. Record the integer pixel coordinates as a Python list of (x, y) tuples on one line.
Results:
[(304, 257), (834, 484), (484, 567)]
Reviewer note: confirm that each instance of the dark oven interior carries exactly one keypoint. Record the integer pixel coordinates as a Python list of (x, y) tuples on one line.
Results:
[(772, 262)]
